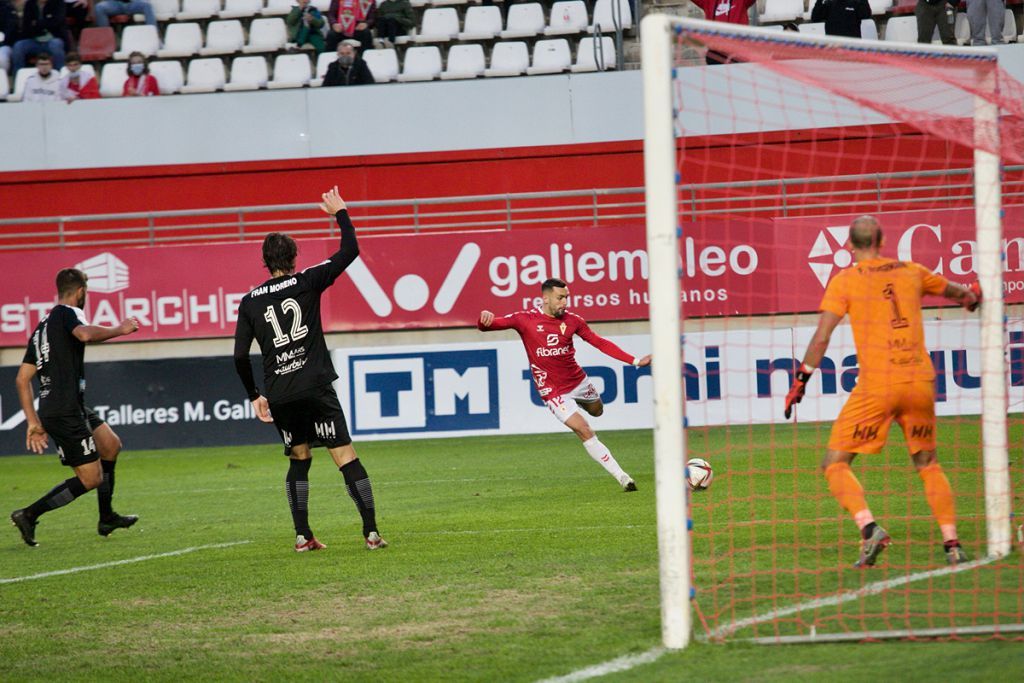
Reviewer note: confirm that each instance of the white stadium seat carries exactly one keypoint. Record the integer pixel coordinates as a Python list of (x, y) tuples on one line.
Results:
[(291, 71), (168, 76), (322, 62), (509, 59), (868, 29), (86, 68), (816, 29), (383, 64), (901, 30), (165, 10), (198, 9), (1009, 27), (181, 40), (266, 35), (421, 64), (482, 23), (439, 3), (550, 57), (322, 5), (524, 21), (112, 79), (277, 8), (465, 61), (439, 26), (593, 53), (609, 12), (962, 29), (248, 73), (5, 85), (205, 75), (223, 38), (567, 18), (240, 9), (419, 3), (18, 91), (877, 7), (142, 39), (782, 10)]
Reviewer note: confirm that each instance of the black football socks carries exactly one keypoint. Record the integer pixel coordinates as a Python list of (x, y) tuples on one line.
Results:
[(59, 496), (105, 491), (296, 485), (357, 481)]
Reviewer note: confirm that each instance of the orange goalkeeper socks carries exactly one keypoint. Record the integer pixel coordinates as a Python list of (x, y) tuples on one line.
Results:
[(846, 489), (939, 494)]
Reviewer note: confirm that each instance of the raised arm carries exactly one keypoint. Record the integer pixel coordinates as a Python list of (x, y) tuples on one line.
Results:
[(324, 274), (608, 348), (35, 436)]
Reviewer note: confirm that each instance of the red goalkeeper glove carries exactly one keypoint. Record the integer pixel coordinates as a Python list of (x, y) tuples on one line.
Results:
[(796, 392), (975, 289)]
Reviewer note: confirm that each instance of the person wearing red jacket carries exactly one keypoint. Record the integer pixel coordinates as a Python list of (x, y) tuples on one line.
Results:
[(547, 333), (729, 11), (140, 82), (78, 84)]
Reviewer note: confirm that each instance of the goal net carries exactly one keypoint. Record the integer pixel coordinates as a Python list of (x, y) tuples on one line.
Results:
[(755, 168)]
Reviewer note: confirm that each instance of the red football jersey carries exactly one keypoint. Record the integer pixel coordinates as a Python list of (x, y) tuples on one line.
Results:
[(549, 347)]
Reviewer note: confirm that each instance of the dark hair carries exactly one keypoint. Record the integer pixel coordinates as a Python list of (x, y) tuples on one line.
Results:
[(865, 233), (279, 252), (44, 56), (145, 61), (72, 57), (551, 283), (70, 279)]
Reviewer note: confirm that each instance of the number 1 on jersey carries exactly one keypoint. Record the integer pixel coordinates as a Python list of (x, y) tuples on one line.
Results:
[(298, 330), (898, 320)]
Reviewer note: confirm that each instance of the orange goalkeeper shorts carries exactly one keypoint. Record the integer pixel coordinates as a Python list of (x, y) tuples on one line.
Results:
[(863, 423)]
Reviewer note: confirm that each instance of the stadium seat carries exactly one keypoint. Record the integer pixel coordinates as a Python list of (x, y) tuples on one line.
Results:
[(290, 71), (608, 12), (181, 40), (421, 64), (509, 59), (112, 79), (165, 10), (205, 75), (86, 68), (97, 44), (247, 73), (465, 61), (567, 18), (782, 10), (277, 8), (1009, 27), (439, 26), (5, 85), (198, 9), (223, 38), (322, 62), (901, 30), (868, 29), (482, 23), (524, 21), (18, 91), (816, 28), (962, 29), (240, 9), (266, 35), (322, 5), (168, 76), (593, 53), (142, 39), (439, 3), (419, 3), (877, 7), (550, 57), (383, 64)]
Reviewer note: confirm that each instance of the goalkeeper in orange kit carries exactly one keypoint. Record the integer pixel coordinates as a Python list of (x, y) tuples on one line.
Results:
[(896, 380)]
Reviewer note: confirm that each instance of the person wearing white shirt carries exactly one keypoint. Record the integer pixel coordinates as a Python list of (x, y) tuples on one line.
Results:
[(45, 84)]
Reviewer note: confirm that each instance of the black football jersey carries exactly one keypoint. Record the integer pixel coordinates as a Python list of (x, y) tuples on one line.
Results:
[(59, 358), (283, 316)]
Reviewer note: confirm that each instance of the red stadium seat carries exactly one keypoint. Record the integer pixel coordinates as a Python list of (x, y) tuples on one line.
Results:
[(96, 44)]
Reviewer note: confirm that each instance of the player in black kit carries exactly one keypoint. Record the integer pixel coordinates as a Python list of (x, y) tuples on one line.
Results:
[(55, 354), (283, 315)]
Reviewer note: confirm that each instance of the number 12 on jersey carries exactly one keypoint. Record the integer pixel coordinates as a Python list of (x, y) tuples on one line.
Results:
[(298, 330)]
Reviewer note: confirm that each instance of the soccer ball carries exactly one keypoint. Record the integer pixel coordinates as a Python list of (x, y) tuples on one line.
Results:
[(699, 474)]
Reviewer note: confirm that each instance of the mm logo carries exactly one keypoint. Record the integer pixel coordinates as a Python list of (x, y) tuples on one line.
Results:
[(106, 272), (865, 433), (828, 253), (443, 391)]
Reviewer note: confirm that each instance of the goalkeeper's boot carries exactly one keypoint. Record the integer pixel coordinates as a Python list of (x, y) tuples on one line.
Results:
[(871, 547), (375, 542), (302, 545), (25, 525), (627, 483), (107, 525), (955, 554)]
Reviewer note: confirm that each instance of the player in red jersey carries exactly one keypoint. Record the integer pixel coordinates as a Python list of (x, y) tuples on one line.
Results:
[(547, 335)]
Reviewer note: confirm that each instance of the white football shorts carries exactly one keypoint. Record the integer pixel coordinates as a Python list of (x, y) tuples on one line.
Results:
[(565, 406)]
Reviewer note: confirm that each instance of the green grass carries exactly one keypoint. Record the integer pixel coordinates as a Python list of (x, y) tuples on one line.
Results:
[(511, 559)]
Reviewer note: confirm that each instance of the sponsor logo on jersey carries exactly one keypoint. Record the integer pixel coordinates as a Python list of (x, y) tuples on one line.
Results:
[(554, 339), (542, 352), (106, 272)]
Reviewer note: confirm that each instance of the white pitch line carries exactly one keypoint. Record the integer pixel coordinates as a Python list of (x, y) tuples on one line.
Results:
[(131, 560), (863, 591), (612, 666)]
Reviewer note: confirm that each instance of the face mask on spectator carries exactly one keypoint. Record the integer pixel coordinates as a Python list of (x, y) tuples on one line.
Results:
[(137, 69), (345, 60)]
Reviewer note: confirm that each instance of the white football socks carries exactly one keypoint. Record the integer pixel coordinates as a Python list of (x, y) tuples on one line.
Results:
[(599, 452)]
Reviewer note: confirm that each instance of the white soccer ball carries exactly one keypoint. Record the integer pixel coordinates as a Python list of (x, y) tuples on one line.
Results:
[(699, 474)]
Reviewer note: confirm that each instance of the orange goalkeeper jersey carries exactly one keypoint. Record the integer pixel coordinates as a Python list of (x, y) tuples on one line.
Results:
[(883, 299)]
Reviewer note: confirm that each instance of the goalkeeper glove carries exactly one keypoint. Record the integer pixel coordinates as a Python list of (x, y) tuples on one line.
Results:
[(975, 289), (796, 392)]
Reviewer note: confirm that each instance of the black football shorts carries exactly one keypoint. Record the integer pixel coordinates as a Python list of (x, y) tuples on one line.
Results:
[(73, 436), (316, 419)]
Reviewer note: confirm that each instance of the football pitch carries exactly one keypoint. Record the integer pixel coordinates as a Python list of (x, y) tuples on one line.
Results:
[(511, 559)]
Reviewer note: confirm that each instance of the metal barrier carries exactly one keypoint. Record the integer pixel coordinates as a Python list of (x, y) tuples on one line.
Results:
[(599, 207)]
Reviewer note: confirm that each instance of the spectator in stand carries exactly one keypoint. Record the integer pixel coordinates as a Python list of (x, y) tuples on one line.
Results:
[(42, 29), (841, 17), (304, 26), (140, 82), (351, 19), (10, 26), (79, 15), (986, 12), (394, 18), (112, 8), (44, 84), (729, 11), (932, 14), (349, 68), (78, 84)]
